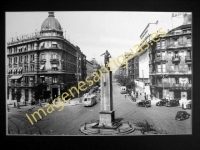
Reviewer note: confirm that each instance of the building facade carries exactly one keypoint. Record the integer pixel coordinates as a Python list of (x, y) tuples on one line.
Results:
[(170, 64), (89, 66), (43, 59)]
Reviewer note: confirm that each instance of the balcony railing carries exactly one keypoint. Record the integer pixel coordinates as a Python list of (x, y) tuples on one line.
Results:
[(174, 85), (176, 59), (188, 59)]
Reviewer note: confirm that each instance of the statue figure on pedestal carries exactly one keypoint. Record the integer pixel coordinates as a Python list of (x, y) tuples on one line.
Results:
[(106, 57)]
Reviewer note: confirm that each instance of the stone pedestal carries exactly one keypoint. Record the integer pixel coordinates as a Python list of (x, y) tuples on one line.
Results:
[(107, 115)]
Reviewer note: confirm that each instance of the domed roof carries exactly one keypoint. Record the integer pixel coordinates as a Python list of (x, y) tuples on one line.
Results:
[(51, 23)]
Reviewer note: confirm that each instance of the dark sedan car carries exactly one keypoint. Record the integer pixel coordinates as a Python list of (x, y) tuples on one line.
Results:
[(162, 102), (181, 115), (144, 103), (172, 103)]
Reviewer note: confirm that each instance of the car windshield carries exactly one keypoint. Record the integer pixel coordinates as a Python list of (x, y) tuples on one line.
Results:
[(180, 112)]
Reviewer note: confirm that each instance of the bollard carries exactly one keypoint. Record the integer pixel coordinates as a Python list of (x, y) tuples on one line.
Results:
[(14, 105)]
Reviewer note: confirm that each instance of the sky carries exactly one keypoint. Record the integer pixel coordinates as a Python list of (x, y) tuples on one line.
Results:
[(93, 31)]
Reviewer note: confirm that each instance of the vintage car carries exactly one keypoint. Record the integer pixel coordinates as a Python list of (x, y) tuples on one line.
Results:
[(181, 115), (162, 102), (172, 103), (144, 103), (123, 90)]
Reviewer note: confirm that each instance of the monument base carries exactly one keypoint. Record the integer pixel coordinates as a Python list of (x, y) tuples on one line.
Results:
[(106, 118)]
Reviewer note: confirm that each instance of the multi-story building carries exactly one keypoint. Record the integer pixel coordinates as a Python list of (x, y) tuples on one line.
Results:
[(171, 64), (83, 67), (133, 69), (44, 57), (89, 66)]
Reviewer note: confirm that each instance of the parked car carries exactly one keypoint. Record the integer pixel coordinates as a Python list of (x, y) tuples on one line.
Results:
[(162, 102), (144, 103), (181, 115), (172, 103)]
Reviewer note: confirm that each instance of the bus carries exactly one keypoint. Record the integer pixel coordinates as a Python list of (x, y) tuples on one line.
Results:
[(90, 100)]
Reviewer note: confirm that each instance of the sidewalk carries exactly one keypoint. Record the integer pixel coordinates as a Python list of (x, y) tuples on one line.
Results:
[(72, 102)]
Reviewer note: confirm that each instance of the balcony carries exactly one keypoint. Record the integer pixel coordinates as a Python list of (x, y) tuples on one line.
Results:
[(54, 60), (188, 59), (176, 59)]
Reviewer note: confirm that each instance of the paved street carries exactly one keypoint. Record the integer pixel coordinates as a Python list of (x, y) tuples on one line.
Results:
[(69, 120)]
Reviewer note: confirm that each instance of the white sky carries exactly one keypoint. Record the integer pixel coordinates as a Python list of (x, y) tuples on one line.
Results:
[(93, 31)]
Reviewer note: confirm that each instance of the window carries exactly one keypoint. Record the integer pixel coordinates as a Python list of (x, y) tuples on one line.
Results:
[(55, 79), (158, 54), (54, 56), (54, 44), (163, 67), (26, 68), (177, 80), (20, 59), (163, 55), (42, 56), (159, 68), (189, 67), (188, 40), (182, 54), (176, 54), (26, 58), (10, 60), (190, 80), (25, 79), (163, 44), (176, 67), (170, 54), (32, 67), (32, 57), (15, 60), (189, 53), (158, 45)]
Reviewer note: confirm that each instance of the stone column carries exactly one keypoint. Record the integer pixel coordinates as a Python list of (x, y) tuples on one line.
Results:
[(106, 108)]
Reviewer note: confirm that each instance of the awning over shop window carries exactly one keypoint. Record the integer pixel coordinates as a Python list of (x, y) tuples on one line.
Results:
[(41, 67), (16, 77), (54, 42)]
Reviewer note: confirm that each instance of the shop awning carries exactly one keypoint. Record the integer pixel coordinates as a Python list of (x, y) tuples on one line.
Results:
[(41, 67), (15, 77)]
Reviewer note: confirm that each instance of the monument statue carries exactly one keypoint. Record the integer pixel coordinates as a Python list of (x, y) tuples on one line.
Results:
[(106, 57)]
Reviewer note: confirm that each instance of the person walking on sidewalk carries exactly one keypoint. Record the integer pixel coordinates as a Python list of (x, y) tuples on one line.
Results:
[(145, 96), (18, 107)]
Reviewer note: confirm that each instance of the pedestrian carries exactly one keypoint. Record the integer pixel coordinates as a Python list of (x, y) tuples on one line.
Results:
[(151, 97), (137, 94), (18, 107), (14, 105), (145, 96)]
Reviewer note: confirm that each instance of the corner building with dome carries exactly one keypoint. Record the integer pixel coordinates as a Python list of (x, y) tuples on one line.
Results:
[(43, 63)]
